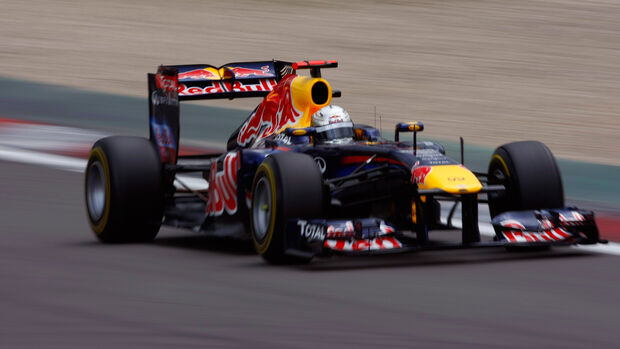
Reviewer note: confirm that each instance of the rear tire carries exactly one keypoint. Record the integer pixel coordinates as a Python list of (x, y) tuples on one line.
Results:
[(123, 189), (286, 185)]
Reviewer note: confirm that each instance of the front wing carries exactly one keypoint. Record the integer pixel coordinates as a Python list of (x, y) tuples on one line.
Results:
[(316, 237)]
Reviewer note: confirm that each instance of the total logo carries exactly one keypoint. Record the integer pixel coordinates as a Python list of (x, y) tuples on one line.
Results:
[(311, 232)]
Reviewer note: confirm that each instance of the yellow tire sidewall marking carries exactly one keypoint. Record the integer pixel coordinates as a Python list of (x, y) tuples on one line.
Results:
[(501, 160), (98, 154), (264, 246)]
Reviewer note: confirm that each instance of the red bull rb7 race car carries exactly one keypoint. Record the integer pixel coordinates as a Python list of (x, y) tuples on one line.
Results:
[(300, 179)]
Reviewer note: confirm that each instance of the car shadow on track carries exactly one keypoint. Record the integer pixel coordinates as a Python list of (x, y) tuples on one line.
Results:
[(223, 245), (243, 247), (417, 259), (206, 243)]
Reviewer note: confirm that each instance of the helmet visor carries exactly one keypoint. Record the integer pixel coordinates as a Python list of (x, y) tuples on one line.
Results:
[(334, 131)]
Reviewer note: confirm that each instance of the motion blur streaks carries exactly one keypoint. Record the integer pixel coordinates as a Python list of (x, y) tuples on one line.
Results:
[(490, 71)]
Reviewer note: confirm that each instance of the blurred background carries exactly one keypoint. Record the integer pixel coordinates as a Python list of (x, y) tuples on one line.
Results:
[(491, 71)]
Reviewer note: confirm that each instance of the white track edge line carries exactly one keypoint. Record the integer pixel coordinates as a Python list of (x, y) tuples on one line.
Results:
[(72, 164)]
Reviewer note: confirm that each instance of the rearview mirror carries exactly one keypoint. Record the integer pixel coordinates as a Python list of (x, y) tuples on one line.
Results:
[(413, 126)]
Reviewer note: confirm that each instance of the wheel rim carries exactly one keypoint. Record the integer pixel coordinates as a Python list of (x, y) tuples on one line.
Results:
[(497, 175), (95, 191), (500, 201), (261, 208)]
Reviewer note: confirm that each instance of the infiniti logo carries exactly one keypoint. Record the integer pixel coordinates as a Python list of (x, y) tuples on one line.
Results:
[(320, 162)]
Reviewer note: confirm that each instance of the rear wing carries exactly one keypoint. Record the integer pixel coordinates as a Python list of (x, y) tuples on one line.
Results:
[(174, 83), (232, 80)]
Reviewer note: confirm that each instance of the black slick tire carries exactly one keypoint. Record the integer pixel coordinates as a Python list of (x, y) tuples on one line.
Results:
[(286, 185), (123, 190), (532, 179), (531, 176)]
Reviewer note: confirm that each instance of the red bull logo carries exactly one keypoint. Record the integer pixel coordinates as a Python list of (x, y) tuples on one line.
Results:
[(199, 74), (214, 87), (418, 174), (223, 187), (225, 86), (243, 72), (274, 113), (337, 118)]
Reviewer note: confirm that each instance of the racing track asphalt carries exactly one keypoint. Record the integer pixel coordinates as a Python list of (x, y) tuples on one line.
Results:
[(62, 289)]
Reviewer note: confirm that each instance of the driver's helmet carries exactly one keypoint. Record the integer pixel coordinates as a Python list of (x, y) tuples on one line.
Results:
[(333, 125)]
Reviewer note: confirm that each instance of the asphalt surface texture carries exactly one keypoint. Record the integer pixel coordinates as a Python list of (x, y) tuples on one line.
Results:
[(61, 288)]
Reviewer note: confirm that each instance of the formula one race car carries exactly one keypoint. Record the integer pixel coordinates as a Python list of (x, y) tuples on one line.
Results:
[(297, 194)]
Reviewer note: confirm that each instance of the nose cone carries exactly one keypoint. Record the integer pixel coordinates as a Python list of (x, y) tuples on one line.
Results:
[(453, 179)]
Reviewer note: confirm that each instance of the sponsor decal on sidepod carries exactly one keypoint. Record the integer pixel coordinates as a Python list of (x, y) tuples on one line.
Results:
[(223, 187)]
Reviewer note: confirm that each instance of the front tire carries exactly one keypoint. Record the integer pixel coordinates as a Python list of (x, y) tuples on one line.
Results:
[(123, 190), (532, 179), (286, 185), (531, 176)]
